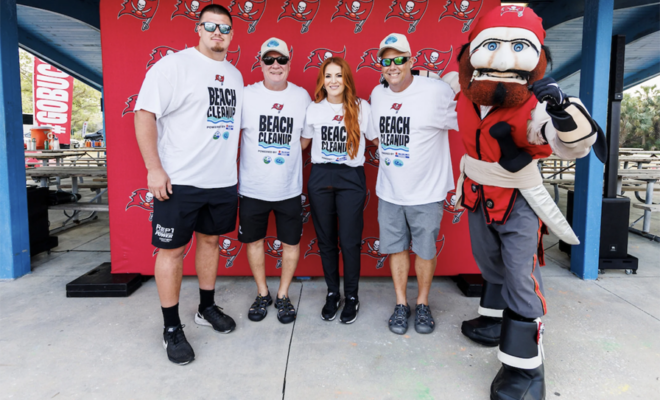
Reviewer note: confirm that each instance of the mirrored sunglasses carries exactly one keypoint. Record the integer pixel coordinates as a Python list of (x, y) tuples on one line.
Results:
[(386, 62), (211, 26)]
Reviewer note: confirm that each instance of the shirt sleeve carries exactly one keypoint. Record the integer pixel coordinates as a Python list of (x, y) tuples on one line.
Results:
[(367, 125), (448, 108), (156, 93), (308, 130)]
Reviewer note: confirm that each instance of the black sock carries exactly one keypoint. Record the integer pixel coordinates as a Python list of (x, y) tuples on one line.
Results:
[(206, 299), (171, 315)]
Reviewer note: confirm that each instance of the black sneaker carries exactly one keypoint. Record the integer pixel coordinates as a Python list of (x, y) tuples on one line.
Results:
[(258, 310), (399, 320), (331, 306), (213, 316), (285, 311), (178, 349), (424, 322), (351, 307)]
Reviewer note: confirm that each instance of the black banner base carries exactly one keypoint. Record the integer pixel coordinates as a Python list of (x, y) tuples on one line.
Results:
[(99, 282), (469, 284), (629, 264)]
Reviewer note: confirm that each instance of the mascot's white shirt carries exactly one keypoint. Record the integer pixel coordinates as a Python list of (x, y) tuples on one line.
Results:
[(415, 163), (325, 126), (197, 102), (271, 157)]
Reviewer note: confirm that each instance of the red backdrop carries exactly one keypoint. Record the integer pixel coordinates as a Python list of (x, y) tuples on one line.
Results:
[(135, 38), (52, 91)]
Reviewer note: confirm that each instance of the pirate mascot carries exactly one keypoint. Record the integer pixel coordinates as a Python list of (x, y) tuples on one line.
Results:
[(510, 117)]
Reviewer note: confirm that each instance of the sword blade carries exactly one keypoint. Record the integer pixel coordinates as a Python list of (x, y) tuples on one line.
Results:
[(545, 208)]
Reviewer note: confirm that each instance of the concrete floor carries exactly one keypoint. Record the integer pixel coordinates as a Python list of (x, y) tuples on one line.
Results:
[(601, 338)]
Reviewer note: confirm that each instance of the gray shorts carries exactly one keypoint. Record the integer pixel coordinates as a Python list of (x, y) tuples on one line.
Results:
[(399, 224)]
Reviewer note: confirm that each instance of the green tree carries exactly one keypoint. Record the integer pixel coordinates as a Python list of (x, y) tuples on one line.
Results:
[(640, 119)]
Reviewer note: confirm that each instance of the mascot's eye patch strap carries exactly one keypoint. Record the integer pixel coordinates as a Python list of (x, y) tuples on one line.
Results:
[(506, 41)]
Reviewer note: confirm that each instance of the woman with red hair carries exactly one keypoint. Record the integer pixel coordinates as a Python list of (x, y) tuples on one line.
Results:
[(337, 123)]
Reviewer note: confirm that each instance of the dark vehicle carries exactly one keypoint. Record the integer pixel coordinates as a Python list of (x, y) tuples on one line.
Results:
[(94, 136)]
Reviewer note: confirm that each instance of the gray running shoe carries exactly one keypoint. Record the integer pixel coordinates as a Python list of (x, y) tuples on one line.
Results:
[(424, 322), (399, 320)]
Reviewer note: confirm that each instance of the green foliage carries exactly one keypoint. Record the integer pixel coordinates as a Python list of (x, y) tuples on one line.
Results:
[(640, 119), (86, 100)]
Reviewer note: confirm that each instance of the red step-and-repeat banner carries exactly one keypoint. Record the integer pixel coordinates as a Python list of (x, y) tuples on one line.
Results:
[(53, 99), (136, 34)]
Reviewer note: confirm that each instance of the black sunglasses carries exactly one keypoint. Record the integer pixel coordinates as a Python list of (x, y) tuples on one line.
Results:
[(211, 26), (282, 60), (386, 62)]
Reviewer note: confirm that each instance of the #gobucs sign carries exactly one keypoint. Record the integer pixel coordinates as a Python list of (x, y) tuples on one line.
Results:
[(301, 11), (358, 12), (317, 56), (249, 11), (433, 60), (140, 9), (189, 9), (370, 60), (412, 11), (257, 63), (462, 10)]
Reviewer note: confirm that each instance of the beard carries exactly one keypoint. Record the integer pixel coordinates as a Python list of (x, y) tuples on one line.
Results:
[(217, 48), (497, 93)]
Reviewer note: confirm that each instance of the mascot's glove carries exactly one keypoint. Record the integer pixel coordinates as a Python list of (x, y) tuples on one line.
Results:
[(548, 90)]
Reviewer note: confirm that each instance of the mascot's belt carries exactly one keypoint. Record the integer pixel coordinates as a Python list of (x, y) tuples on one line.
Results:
[(530, 184)]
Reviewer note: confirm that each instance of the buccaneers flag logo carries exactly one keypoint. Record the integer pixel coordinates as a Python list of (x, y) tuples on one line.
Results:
[(301, 11), (358, 12), (140, 9), (250, 12), (433, 60), (257, 63), (233, 56), (130, 105), (273, 248), (371, 247), (370, 60), (463, 10), (142, 198), (413, 11), (372, 156), (189, 9), (317, 56), (159, 52), (229, 249), (449, 205), (513, 9)]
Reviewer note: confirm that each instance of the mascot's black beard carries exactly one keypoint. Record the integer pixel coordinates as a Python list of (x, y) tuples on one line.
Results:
[(499, 97)]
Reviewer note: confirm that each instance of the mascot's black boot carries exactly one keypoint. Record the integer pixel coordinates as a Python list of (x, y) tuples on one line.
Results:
[(513, 158), (485, 329), (521, 352)]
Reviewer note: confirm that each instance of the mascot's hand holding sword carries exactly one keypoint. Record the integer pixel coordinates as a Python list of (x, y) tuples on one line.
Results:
[(510, 117)]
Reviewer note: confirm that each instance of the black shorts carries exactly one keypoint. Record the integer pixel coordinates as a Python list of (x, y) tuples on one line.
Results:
[(253, 219), (191, 209)]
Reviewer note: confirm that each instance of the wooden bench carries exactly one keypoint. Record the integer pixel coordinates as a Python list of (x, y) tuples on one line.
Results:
[(90, 185), (81, 207)]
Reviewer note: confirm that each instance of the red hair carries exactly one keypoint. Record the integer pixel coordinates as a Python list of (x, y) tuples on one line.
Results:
[(350, 102)]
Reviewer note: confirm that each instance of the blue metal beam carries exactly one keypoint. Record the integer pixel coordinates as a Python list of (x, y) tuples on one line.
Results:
[(15, 243), (558, 12), (86, 11), (641, 76), (587, 203), (61, 60)]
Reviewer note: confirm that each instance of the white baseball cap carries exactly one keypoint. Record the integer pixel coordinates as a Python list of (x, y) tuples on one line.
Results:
[(275, 44), (394, 41)]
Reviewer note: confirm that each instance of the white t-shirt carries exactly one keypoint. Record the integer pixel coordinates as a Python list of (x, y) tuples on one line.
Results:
[(324, 124), (197, 102), (415, 164), (271, 157)]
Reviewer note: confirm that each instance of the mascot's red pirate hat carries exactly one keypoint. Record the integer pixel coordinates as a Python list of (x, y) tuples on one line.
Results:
[(510, 17)]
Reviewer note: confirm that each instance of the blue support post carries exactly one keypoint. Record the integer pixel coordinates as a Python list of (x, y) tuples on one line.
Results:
[(594, 78), (15, 242)]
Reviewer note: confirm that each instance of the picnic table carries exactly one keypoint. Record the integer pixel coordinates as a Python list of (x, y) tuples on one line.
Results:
[(650, 176)]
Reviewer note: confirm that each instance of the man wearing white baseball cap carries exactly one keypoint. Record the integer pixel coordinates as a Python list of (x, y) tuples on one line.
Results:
[(270, 177), (413, 116)]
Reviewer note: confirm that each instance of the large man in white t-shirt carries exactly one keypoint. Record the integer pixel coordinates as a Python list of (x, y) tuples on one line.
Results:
[(412, 116), (187, 122), (270, 178)]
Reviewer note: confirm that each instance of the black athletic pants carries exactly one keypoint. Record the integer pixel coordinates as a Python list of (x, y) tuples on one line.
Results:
[(336, 195)]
